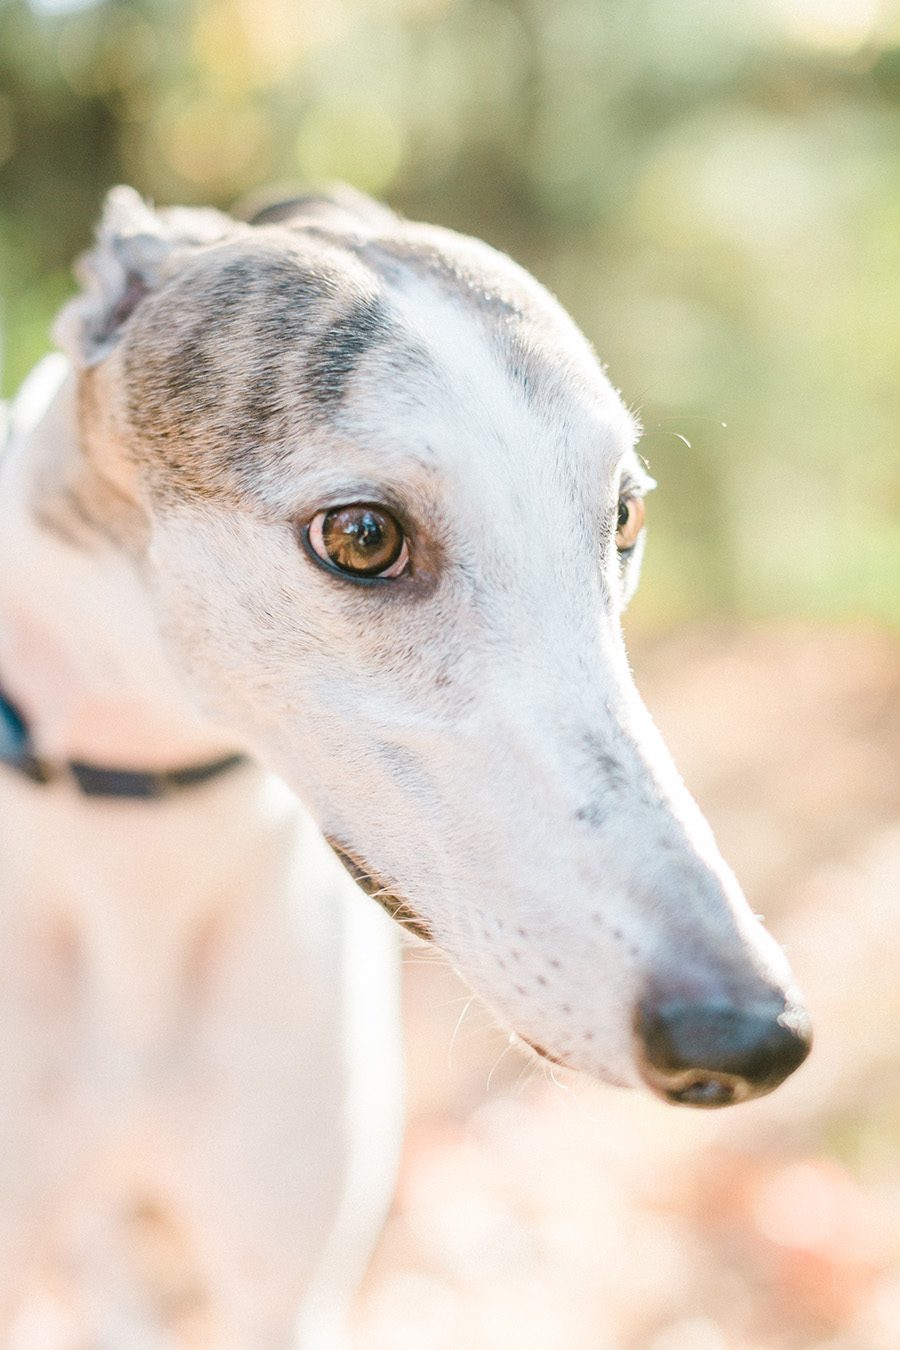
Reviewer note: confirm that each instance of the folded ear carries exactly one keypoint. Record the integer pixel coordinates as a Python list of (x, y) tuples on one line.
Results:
[(136, 246), (337, 206)]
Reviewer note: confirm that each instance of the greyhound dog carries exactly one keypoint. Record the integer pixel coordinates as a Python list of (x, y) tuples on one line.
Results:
[(315, 543)]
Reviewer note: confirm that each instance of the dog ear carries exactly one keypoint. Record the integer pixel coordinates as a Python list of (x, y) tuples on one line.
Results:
[(135, 249), (337, 206)]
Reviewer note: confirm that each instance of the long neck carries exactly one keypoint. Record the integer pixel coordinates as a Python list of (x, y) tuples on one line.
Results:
[(79, 647)]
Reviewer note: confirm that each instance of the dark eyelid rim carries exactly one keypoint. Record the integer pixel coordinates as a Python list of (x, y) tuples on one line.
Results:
[(382, 499)]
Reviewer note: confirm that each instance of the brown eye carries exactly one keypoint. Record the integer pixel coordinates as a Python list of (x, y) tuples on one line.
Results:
[(630, 522), (360, 540)]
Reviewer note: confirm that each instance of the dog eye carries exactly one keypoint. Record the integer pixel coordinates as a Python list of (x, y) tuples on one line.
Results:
[(630, 522), (361, 541)]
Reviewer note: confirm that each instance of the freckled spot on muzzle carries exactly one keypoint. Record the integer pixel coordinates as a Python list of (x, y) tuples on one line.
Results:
[(381, 891)]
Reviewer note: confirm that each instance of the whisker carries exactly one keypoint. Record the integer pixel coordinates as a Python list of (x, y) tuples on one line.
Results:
[(530, 1069), (488, 1024), (459, 1021), (563, 1087), (455, 1002), (498, 1061)]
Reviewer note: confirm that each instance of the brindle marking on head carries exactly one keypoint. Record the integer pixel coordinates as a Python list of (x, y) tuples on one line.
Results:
[(385, 894), (257, 341), (237, 355), (334, 357), (513, 317), (209, 343)]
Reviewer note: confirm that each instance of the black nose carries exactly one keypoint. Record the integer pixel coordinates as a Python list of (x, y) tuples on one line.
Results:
[(716, 1054)]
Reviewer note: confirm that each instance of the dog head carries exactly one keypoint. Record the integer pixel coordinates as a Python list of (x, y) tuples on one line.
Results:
[(390, 512)]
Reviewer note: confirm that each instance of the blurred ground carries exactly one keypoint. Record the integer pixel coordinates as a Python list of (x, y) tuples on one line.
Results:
[(562, 1216)]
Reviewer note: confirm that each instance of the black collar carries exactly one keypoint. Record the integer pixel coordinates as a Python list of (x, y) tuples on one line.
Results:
[(17, 752)]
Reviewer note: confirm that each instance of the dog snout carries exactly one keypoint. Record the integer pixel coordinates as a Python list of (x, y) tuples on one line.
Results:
[(714, 1054)]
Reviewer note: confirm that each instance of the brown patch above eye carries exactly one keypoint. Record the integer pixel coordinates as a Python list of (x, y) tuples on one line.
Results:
[(630, 522)]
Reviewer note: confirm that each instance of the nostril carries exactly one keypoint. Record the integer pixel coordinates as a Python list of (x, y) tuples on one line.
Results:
[(716, 1054), (706, 1090)]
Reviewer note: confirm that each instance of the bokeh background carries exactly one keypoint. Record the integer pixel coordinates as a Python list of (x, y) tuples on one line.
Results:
[(712, 187)]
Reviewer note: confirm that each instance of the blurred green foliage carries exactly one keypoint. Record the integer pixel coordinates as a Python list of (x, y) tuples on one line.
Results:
[(711, 188)]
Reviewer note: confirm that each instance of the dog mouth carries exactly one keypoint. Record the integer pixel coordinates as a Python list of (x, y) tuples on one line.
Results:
[(382, 891), (697, 1089), (543, 1053)]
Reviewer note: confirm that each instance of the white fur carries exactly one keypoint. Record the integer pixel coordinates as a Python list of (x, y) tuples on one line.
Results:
[(175, 976), (198, 1009)]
